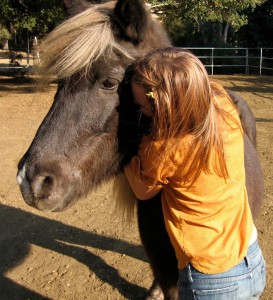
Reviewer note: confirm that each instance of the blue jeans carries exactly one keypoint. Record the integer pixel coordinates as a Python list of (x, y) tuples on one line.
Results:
[(243, 282)]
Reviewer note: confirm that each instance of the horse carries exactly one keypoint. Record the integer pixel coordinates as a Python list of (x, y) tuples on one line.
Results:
[(80, 144)]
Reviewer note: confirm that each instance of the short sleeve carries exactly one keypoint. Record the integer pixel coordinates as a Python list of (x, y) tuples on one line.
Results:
[(155, 168)]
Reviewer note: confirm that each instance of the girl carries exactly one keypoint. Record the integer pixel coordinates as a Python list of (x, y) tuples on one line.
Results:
[(195, 157)]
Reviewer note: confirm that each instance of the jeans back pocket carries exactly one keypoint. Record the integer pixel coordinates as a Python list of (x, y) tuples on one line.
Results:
[(225, 293)]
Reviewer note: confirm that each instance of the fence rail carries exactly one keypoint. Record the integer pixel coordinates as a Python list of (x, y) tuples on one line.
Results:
[(235, 60), (17, 62), (258, 61)]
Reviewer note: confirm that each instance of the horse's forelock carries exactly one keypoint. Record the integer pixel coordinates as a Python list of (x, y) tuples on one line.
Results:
[(78, 42)]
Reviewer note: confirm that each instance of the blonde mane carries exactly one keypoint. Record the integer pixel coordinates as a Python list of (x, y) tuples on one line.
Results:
[(78, 42)]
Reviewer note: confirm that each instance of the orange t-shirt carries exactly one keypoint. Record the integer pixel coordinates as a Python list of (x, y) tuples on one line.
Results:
[(209, 224)]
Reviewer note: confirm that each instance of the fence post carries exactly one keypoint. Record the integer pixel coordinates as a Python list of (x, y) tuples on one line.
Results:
[(212, 72), (27, 48), (247, 62), (261, 60)]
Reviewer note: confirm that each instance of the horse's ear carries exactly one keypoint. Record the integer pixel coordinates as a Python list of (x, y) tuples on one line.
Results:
[(130, 20), (74, 7)]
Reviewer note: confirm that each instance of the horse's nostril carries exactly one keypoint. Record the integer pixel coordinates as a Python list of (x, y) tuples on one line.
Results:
[(42, 186)]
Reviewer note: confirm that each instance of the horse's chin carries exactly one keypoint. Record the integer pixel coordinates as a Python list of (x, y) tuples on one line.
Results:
[(46, 205)]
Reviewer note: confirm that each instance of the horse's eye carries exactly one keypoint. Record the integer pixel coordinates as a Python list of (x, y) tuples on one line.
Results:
[(109, 83)]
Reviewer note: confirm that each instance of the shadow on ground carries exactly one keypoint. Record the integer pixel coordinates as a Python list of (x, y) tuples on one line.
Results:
[(15, 242)]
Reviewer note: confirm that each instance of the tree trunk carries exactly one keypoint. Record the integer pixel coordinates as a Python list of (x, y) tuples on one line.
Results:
[(6, 45), (203, 33), (225, 34), (217, 32)]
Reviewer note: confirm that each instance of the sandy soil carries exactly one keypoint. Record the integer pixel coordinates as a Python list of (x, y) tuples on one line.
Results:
[(87, 252)]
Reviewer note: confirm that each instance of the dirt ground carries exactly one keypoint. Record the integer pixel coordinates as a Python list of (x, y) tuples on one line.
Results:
[(87, 252)]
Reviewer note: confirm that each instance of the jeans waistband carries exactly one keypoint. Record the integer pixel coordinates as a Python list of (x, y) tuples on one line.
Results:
[(253, 248), (252, 251)]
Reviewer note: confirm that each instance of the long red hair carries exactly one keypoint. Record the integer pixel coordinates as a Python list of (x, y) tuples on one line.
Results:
[(185, 103)]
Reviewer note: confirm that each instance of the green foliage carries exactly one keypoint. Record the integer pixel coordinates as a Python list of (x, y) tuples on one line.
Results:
[(206, 16), (189, 22), (259, 30), (4, 33), (24, 18)]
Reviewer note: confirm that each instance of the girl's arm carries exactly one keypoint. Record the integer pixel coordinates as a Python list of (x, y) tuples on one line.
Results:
[(143, 189)]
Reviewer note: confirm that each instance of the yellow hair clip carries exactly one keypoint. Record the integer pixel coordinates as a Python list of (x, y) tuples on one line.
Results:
[(150, 95)]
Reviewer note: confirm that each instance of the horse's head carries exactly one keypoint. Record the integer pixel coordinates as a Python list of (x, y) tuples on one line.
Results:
[(76, 146)]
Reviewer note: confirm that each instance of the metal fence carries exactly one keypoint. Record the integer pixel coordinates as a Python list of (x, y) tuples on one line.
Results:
[(17, 62), (258, 61)]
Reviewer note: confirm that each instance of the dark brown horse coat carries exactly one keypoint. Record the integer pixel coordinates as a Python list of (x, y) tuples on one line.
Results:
[(79, 143)]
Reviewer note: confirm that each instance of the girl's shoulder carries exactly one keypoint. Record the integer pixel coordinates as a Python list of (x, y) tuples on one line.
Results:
[(167, 149), (228, 111), (218, 88), (222, 98)]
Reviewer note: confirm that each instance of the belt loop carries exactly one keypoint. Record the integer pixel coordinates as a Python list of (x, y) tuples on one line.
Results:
[(189, 276), (246, 261)]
